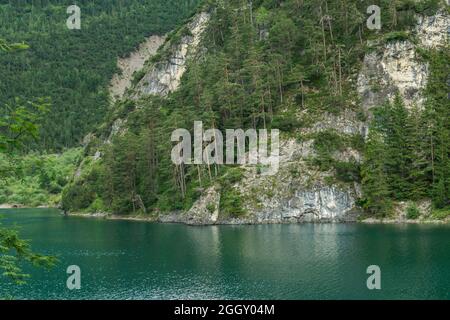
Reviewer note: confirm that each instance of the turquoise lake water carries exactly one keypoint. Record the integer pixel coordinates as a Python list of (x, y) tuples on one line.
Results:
[(137, 260)]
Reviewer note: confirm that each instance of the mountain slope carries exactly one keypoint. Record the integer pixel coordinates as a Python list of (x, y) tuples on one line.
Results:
[(73, 67), (349, 102)]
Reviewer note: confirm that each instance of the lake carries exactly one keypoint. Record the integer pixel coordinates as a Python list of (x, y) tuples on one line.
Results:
[(138, 260)]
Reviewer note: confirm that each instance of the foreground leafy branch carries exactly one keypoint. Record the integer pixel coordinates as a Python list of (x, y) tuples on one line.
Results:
[(14, 250), (15, 127)]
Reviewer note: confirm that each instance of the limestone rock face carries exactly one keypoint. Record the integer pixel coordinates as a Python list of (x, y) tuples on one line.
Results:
[(398, 68), (165, 76), (297, 193), (205, 210), (395, 69), (129, 65), (317, 204), (433, 31), (346, 122), (116, 128)]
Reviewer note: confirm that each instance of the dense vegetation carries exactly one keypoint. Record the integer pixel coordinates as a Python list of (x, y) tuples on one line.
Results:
[(276, 64), (73, 67), (15, 128), (37, 179), (408, 152)]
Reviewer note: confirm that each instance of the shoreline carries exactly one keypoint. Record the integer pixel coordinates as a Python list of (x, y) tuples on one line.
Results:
[(11, 206), (169, 219), (178, 219), (21, 206)]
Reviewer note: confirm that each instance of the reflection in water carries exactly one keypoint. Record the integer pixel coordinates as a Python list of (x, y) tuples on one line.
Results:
[(132, 260)]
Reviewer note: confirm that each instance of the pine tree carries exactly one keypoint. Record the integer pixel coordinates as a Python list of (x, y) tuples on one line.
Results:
[(420, 165), (437, 115), (393, 123), (374, 176)]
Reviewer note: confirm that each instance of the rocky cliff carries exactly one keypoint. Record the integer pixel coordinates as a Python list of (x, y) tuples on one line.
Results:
[(397, 67), (164, 76), (132, 64), (298, 192)]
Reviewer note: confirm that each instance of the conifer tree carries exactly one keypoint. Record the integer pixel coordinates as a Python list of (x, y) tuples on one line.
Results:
[(374, 176)]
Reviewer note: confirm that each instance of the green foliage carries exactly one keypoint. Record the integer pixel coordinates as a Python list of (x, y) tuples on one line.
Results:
[(326, 144), (437, 126), (374, 177), (97, 206), (272, 65), (8, 47), (13, 250), (138, 76), (231, 204), (328, 141), (428, 7), (287, 123), (348, 171), (36, 179), (412, 212), (231, 176), (231, 201), (18, 125), (441, 214), (211, 207), (77, 197), (410, 159), (74, 67), (397, 36)]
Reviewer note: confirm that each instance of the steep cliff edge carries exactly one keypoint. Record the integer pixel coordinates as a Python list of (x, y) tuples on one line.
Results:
[(165, 75), (132, 64)]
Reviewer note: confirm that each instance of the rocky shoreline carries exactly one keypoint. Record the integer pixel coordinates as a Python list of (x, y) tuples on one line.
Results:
[(11, 206), (407, 221), (259, 219), (21, 206), (178, 218)]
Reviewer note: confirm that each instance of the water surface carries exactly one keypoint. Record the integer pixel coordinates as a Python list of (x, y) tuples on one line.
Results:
[(136, 260)]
